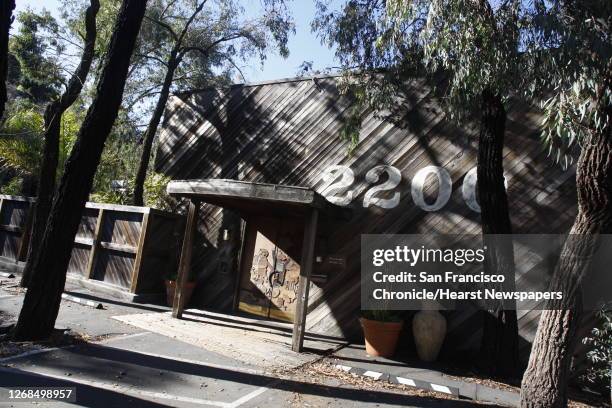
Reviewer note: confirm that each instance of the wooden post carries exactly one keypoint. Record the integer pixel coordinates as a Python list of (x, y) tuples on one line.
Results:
[(24, 240), (238, 274), (95, 245), (144, 236), (185, 261), (301, 308)]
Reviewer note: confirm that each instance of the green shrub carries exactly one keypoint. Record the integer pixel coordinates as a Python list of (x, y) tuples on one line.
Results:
[(155, 192), (13, 187), (600, 354)]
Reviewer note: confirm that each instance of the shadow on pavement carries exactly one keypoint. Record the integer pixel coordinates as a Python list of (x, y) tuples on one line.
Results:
[(86, 396), (260, 380)]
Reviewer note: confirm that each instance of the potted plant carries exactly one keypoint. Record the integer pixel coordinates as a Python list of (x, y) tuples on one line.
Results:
[(170, 282), (381, 329)]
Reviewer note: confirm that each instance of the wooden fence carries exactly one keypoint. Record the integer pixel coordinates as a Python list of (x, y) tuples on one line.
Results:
[(125, 247), (14, 220)]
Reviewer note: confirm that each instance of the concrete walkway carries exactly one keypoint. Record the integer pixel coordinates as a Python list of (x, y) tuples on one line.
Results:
[(255, 342)]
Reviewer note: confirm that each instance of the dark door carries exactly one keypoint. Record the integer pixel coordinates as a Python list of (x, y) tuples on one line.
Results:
[(270, 270)]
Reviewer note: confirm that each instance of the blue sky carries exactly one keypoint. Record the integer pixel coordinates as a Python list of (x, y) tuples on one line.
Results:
[(303, 46)]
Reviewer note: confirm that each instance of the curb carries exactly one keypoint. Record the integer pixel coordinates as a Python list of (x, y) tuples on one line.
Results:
[(423, 385), (83, 301), (473, 391)]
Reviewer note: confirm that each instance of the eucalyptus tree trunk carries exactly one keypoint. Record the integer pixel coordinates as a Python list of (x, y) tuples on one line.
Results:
[(42, 300), (149, 135), (6, 18), (499, 348), (545, 380), (174, 59), (53, 119)]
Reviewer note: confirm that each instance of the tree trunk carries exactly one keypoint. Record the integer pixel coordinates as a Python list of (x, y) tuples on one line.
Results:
[(6, 18), (46, 186), (29, 185), (499, 348), (53, 119), (149, 135), (545, 380), (42, 300)]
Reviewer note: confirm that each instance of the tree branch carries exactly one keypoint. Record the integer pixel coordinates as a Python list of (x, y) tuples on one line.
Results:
[(164, 25), (144, 94), (231, 61), (147, 56), (206, 51), (76, 82), (197, 10), (170, 4)]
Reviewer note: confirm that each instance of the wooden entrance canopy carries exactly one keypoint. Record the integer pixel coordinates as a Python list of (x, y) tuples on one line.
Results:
[(250, 199)]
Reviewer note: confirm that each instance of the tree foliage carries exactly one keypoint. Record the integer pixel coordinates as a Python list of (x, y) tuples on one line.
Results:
[(600, 352), (21, 141), (555, 52), (219, 40), (474, 45), (228, 33), (567, 53), (36, 52), (21, 144)]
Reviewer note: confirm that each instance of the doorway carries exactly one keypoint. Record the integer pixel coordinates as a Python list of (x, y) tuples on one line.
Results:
[(270, 273)]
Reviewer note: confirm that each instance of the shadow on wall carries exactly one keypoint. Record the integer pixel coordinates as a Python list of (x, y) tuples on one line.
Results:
[(231, 136), (288, 133)]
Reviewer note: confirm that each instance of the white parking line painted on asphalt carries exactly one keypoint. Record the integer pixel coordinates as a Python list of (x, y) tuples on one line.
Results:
[(47, 350), (124, 390), (248, 397), (142, 393), (32, 353)]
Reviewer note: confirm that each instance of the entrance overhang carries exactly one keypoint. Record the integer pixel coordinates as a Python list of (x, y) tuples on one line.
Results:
[(255, 199), (248, 198)]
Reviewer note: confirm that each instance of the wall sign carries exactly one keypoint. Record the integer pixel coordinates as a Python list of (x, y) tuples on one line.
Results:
[(338, 187)]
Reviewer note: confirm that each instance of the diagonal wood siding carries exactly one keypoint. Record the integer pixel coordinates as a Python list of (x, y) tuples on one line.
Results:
[(287, 132)]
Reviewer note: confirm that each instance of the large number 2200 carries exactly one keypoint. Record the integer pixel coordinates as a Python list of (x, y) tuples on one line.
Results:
[(338, 180)]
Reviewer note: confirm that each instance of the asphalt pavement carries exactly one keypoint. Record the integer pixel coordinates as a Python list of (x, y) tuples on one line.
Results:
[(127, 366)]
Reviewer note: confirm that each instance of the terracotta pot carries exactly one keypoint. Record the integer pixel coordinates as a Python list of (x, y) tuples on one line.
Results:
[(380, 337), (171, 287), (429, 330)]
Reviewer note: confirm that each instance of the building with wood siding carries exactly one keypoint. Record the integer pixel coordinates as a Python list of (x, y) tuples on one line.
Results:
[(288, 132)]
